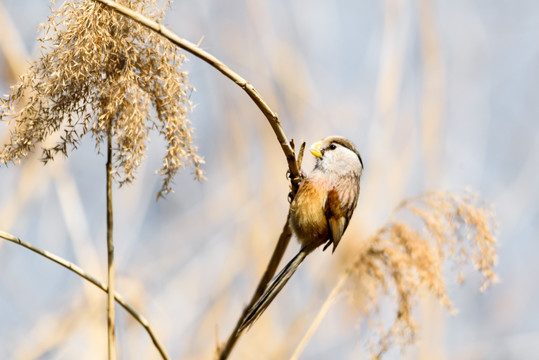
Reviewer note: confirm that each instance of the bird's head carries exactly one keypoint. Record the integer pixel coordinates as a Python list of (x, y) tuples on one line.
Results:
[(336, 154)]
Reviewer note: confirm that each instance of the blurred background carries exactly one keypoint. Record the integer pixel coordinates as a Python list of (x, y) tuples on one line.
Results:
[(437, 95)]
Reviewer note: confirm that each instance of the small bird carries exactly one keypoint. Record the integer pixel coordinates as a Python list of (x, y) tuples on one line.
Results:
[(320, 211)]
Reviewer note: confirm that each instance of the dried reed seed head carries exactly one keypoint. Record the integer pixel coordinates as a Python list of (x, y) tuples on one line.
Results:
[(401, 261), (102, 72)]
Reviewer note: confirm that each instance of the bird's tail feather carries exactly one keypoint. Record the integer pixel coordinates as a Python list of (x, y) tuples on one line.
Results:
[(273, 289)]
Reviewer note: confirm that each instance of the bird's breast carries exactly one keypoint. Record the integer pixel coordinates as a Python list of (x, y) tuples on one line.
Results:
[(307, 217)]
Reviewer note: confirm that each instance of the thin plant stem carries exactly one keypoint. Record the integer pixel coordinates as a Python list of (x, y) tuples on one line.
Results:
[(319, 317), (93, 280), (110, 254), (271, 268), (225, 70), (271, 116)]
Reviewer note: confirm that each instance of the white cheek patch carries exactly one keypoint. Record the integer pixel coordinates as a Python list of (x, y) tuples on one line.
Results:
[(341, 161)]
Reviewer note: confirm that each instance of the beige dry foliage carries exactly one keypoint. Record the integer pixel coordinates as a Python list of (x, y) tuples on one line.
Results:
[(100, 72), (401, 261)]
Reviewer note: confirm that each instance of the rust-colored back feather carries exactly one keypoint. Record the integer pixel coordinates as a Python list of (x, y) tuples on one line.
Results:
[(339, 209)]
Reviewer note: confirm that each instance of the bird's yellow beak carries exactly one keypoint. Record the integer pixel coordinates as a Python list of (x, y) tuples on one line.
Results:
[(316, 149)]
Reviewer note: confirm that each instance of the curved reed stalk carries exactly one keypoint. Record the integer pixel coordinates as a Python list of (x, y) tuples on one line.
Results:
[(287, 147), (93, 280)]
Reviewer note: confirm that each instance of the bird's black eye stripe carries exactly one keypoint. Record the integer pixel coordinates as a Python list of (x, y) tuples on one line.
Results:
[(332, 147)]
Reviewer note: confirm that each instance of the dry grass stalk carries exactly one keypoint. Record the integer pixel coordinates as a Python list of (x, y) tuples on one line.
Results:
[(319, 317), (121, 59), (222, 351), (101, 74), (111, 317), (271, 116), (99, 69), (401, 261), (93, 280)]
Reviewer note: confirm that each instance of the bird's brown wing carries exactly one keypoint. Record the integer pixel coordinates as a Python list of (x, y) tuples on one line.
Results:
[(336, 217), (338, 212)]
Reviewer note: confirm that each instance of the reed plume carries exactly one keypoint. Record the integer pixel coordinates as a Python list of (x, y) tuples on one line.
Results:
[(100, 71), (407, 255)]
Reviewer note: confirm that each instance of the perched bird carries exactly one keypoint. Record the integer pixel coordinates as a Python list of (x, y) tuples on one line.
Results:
[(321, 209)]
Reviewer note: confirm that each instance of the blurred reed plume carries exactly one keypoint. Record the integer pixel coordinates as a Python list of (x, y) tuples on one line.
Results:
[(101, 73), (400, 261)]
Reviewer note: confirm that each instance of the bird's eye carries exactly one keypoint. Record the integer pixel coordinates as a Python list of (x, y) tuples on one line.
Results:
[(332, 147)]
